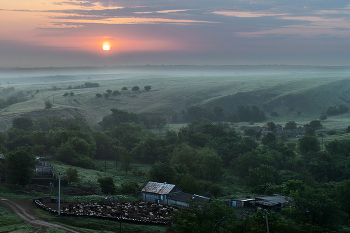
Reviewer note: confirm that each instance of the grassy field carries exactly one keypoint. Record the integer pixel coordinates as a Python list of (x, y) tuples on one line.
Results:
[(285, 91)]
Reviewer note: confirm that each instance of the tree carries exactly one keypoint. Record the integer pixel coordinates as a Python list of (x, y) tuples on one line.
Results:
[(147, 88), (269, 138), (309, 131), (114, 93), (315, 208), (65, 94), (290, 125), (71, 175), (272, 126), (109, 91), (71, 93), (218, 111), (125, 160), (260, 175), (343, 190), (209, 217), (315, 124), (107, 185), (323, 116), (124, 89), (129, 187), (48, 104), (106, 95), (24, 123), (98, 95), (307, 144), (135, 88), (19, 167), (161, 172)]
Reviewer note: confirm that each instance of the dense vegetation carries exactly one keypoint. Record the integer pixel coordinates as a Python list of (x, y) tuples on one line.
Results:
[(197, 159)]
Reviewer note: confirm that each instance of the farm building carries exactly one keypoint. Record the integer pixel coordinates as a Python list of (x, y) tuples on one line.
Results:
[(158, 192), (275, 202), (182, 199)]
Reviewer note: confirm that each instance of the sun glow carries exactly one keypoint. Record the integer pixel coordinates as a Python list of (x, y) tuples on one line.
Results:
[(106, 46)]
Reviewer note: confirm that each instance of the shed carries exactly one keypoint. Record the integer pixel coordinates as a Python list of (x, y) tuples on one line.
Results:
[(183, 199), (158, 192), (275, 202)]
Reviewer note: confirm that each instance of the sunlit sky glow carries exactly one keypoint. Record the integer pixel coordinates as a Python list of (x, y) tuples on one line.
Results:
[(39, 33)]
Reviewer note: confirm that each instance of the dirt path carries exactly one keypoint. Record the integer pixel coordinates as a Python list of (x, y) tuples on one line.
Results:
[(23, 208)]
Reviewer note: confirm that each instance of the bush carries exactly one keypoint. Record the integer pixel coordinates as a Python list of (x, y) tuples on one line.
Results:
[(331, 132), (98, 95), (129, 187), (135, 88), (107, 185)]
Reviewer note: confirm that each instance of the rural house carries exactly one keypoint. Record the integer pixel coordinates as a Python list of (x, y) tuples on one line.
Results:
[(158, 192), (275, 202)]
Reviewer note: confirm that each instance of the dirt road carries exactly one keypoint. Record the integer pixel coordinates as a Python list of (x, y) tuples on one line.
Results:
[(23, 209)]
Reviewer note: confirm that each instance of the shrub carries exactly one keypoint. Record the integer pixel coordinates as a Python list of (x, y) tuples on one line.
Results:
[(129, 187), (107, 185), (331, 132)]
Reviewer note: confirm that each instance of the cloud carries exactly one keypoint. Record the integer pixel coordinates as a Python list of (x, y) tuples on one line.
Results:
[(245, 14)]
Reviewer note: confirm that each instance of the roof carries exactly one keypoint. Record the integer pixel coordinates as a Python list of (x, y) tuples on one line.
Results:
[(271, 200), (159, 188), (185, 197)]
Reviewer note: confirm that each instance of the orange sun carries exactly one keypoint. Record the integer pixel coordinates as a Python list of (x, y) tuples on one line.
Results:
[(106, 46)]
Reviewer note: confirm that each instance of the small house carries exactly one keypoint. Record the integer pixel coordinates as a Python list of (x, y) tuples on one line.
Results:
[(158, 192)]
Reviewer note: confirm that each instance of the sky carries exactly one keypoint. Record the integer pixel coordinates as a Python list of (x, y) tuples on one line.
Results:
[(67, 33)]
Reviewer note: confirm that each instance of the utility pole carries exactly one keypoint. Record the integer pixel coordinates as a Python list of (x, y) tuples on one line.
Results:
[(59, 193), (105, 167), (267, 223)]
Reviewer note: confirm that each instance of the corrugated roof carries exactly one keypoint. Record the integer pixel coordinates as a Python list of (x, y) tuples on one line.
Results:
[(159, 188), (185, 197)]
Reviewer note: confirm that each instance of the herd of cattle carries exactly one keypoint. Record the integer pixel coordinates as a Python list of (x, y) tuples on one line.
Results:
[(136, 212)]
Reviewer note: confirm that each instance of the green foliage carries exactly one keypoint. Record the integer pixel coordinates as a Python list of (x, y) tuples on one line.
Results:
[(161, 172), (24, 123), (71, 175), (274, 114), (213, 217), (117, 117), (71, 93), (125, 160), (106, 95), (308, 144), (91, 85), (315, 124), (342, 191), (250, 113), (250, 132), (290, 125), (107, 185), (332, 132), (260, 175), (109, 91), (315, 207), (147, 88), (129, 187), (269, 139), (19, 167), (323, 116), (271, 125), (115, 93), (234, 118), (135, 88), (218, 112), (98, 95), (124, 89), (309, 131), (334, 110), (48, 104), (293, 186), (66, 94)]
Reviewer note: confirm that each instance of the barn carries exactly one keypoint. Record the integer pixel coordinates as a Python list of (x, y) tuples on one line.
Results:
[(159, 192)]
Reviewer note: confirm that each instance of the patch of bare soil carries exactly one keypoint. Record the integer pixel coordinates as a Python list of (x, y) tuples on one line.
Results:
[(24, 209)]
